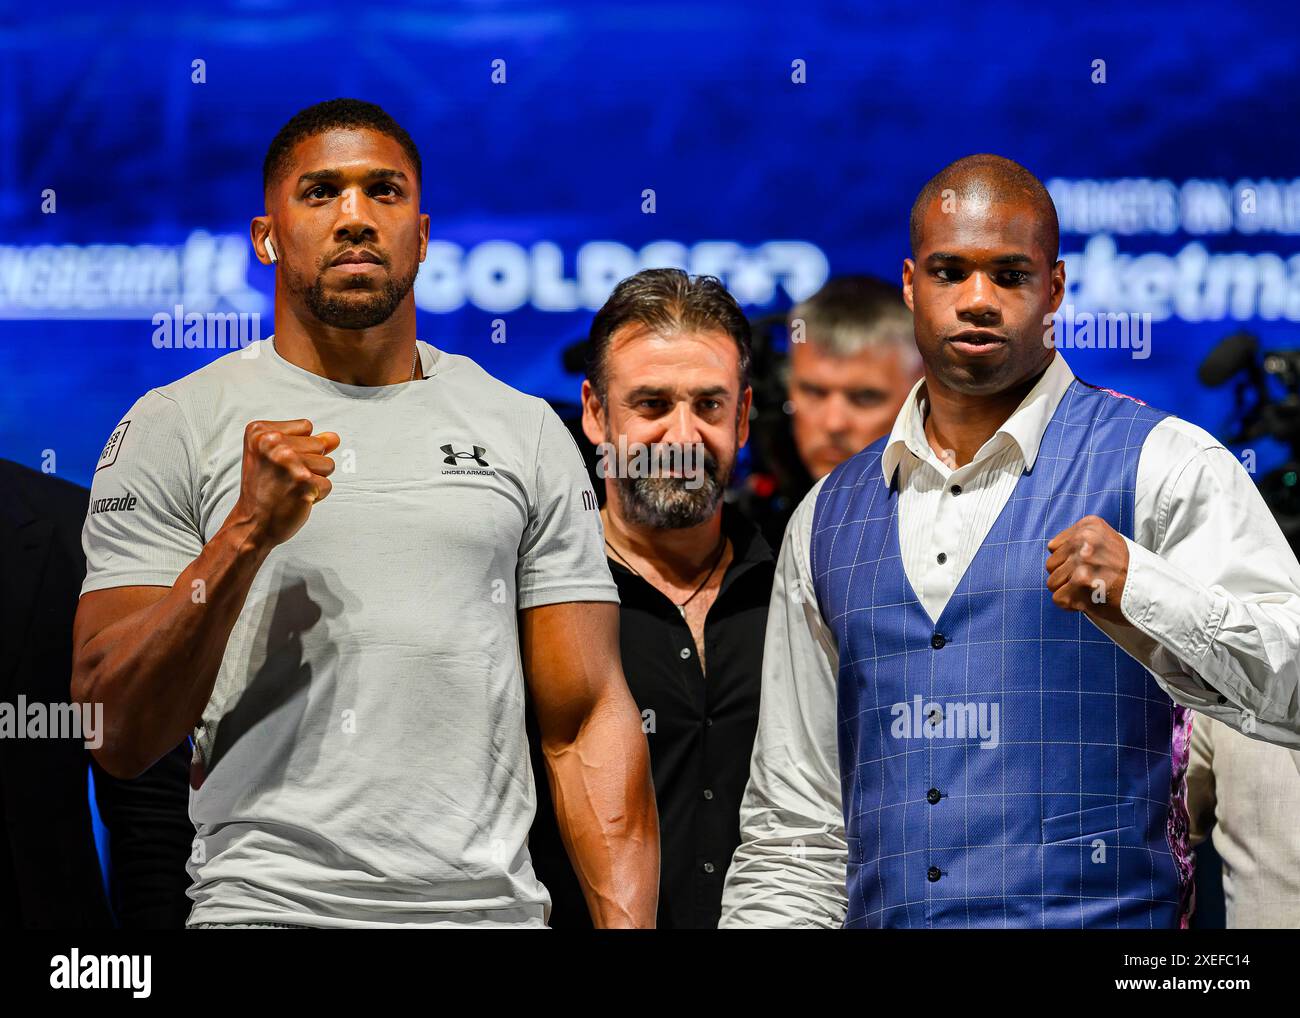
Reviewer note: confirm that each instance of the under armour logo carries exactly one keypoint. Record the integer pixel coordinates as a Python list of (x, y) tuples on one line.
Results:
[(452, 455)]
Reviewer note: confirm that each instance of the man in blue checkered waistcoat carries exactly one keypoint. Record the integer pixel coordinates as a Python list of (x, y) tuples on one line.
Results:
[(988, 627)]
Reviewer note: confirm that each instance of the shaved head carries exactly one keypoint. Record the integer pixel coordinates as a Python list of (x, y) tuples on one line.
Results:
[(984, 279), (985, 180)]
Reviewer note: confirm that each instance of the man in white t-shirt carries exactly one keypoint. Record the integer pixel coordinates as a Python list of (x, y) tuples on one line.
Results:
[(336, 556)]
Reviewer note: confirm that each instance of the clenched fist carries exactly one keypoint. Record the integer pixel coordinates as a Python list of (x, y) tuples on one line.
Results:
[(285, 472), (1087, 569)]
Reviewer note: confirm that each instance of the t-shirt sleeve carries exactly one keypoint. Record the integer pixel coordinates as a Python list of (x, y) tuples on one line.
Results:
[(562, 555), (142, 527)]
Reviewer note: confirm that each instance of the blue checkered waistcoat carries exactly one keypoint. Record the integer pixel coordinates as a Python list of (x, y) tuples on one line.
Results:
[(1006, 764)]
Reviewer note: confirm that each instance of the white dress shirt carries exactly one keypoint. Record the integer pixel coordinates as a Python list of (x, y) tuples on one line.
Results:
[(1213, 594)]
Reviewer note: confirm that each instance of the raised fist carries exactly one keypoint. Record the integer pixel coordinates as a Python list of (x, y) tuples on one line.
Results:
[(285, 472)]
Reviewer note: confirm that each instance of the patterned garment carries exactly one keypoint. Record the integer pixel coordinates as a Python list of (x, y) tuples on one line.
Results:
[(1006, 764)]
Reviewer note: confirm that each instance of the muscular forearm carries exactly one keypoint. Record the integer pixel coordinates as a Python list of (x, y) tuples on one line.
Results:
[(154, 670), (604, 802)]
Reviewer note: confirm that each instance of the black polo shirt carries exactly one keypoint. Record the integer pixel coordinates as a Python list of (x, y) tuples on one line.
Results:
[(700, 730)]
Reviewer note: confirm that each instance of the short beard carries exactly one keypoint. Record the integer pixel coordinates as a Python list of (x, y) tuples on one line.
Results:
[(666, 503), (352, 313)]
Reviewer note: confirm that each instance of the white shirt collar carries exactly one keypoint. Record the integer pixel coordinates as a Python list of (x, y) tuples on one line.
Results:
[(1025, 426)]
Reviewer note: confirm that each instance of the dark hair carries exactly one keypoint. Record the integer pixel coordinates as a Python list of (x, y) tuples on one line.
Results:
[(326, 116), (666, 300), (999, 179)]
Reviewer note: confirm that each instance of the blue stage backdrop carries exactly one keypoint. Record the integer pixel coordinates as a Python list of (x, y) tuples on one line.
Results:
[(567, 145)]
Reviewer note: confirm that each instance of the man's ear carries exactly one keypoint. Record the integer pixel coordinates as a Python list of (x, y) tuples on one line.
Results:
[(593, 414), (1058, 285), (260, 232), (424, 235), (742, 424), (909, 267)]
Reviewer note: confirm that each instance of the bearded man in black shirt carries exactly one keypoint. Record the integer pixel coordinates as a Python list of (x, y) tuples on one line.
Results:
[(666, 402)]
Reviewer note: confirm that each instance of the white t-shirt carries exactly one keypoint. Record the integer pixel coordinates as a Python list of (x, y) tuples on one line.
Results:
[(366, 760)]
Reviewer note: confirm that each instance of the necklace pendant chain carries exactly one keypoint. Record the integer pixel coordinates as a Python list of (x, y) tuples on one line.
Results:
[(681, 608)]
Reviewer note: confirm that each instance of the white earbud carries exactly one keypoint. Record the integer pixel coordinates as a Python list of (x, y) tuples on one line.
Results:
[(270, 249)]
